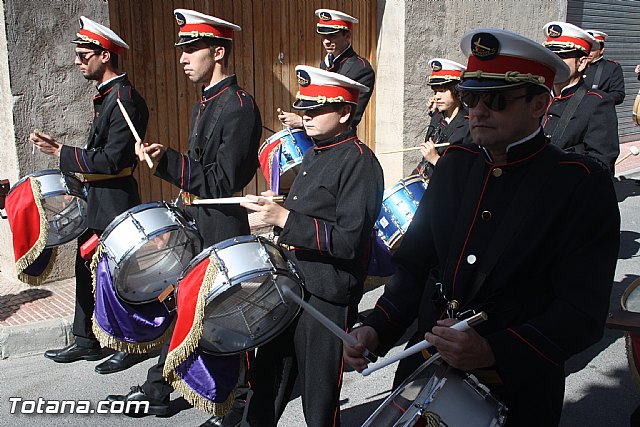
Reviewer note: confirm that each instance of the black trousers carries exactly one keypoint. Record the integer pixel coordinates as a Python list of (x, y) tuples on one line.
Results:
[(308, 351), (85, 302)]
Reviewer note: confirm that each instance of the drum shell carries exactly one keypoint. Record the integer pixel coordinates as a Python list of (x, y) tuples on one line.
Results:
[(399, 205), (54, 183), (242, 259), (293, 143), (130, 231)]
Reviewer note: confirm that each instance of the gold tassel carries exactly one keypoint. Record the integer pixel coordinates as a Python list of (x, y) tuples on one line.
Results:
[(34, 252), (118, 344), (179, 354), (430, 419), (39, 280), (94, 265)]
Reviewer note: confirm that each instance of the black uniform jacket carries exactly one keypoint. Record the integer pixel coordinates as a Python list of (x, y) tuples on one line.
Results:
[(221, 159), (539, 237), (334, 202), (357, 68), (454, 132), (110, 148), (611, 79), (592, 129)]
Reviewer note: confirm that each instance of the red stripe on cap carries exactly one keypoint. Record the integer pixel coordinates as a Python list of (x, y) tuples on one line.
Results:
[(565, 39), (330, 92), (443, 73), (336, 23), (501, 64), (599, 38), (223, 32), (104, 42)]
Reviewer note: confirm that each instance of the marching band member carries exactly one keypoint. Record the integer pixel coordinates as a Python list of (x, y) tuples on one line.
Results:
[(326, 224), (336, 28), (221, 159), (107, 161), (580, 119), (503, 232), (603, 73), (449, 121)]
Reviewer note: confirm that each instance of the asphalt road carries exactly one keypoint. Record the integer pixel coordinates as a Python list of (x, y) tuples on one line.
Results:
[(599, 391)]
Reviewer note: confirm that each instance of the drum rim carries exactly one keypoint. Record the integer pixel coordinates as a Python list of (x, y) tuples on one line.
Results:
[(625, 295), (138, 208), (47, 172), (402, 183)]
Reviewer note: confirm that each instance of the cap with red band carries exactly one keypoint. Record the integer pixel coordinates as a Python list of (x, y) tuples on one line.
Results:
[(331, 21), (320, 87), (195, 25), (563, 37), (444, 71), (598, 35), (93, 33), (500, 59)]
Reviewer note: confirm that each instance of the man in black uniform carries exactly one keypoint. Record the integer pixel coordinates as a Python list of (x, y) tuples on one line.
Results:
[(503, 231), (602, 73), (326, 226), (580, 119), (107, 162), (221, 159), (335, 27)]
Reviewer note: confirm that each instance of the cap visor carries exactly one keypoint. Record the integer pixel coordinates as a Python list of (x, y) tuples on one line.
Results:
[(303, 104), (328, 30), (473, 84)]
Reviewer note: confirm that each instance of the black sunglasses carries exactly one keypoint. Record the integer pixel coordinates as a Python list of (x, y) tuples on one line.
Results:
[(82, 56), (494, 100)]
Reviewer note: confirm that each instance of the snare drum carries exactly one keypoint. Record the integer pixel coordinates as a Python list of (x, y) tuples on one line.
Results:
[(64, 198), (399, 204), (147, 248), (437, 394), (245, 307), (290, 145)]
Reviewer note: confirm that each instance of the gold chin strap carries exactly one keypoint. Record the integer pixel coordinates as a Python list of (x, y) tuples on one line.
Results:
[(319, 99), (568, 46), (446, 77), (509, 76)]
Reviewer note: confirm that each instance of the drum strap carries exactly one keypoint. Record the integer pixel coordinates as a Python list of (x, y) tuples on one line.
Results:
[(597, 77), (93, 177), (572, 106), (534, 182)]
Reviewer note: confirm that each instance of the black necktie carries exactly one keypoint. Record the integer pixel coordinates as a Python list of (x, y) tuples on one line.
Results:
[(330, 59)]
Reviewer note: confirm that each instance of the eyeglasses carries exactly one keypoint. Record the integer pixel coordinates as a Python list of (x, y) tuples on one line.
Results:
[(82, 56), (494, 100)]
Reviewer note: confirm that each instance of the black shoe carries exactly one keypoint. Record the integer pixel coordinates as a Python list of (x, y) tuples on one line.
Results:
[(232, 418), (137, 394), (119, 362), (72, 353)]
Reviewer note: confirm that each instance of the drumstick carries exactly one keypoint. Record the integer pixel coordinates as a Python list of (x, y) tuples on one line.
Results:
[(134, 131), (36, 131), (235, 200), (279, 110), (633, 151), (326, 322), (443, 144), (422, 345)]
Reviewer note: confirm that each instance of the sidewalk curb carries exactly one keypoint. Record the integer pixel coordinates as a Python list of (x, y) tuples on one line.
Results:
[(36, 337)]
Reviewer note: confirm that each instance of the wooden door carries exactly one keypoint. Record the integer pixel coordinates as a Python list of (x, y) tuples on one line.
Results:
[(276, 36)]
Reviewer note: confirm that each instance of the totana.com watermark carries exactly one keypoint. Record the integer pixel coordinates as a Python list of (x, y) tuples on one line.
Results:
[(42, 406)]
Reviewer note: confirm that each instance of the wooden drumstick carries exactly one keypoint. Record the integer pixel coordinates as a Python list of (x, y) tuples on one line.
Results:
[(134, 132), (633, 150), (36, 131), (443, 144), (279, 110)]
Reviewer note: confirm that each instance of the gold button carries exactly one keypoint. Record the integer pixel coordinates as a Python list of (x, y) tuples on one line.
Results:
[(304, 173), (295, 197), (496, 172), (453, 305), (486, 215)]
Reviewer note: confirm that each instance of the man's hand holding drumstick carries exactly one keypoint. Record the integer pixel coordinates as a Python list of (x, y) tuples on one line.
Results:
[(150, 153), (270, 212), (45, 143)]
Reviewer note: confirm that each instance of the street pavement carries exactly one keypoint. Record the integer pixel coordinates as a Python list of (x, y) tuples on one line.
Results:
[(599, 391)]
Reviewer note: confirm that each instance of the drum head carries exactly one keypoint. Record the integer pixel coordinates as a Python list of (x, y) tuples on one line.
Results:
[(630, 299), (250, 310)]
